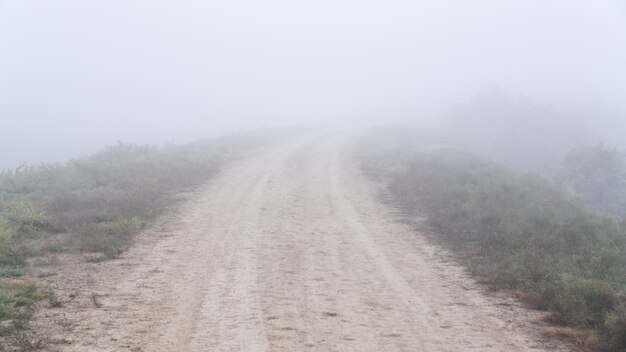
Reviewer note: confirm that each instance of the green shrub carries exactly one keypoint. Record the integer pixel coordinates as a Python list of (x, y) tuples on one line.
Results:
[(25, 219), (597, 174), (16, 306), (616, 326), (15, 218), (109, 237), (582, 301)]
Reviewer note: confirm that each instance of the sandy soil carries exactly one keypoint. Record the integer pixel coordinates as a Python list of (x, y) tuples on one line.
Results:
[(286, 250)]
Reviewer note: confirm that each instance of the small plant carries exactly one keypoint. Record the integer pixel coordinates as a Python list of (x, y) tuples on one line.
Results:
[(17, 303), (54, 301)]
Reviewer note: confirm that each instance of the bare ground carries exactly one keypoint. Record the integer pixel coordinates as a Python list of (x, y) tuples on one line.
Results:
[(286, 250)]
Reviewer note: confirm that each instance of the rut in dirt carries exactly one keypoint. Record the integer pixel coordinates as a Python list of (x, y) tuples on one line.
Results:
[(289, 250)]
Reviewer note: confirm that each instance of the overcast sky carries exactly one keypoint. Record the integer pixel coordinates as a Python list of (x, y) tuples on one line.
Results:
[(75, 75)]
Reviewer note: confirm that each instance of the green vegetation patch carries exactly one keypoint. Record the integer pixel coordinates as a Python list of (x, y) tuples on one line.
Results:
[(596, 174), (98, 202), (17, 302)]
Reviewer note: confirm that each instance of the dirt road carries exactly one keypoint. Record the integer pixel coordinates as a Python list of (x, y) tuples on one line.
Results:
[(287, 250)]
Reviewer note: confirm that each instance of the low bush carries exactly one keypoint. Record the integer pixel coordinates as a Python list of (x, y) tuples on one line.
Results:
[(17, 301), (100, 201), (597, 175)]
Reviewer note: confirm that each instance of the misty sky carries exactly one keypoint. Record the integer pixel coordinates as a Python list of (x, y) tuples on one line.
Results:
[(76, 75)]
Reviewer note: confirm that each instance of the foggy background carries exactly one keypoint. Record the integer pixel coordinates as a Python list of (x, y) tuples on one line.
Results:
[(77, 75)]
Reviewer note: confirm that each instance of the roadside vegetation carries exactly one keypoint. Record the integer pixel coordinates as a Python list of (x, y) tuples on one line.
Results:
[(516, 131), (515, 231), (597, 175), (583, 158), (92, 205)]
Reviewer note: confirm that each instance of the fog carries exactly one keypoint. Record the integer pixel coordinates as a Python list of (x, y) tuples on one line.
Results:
[(78, 75)]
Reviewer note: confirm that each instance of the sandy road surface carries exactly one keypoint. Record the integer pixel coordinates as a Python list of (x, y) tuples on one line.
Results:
[(287, 250)]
